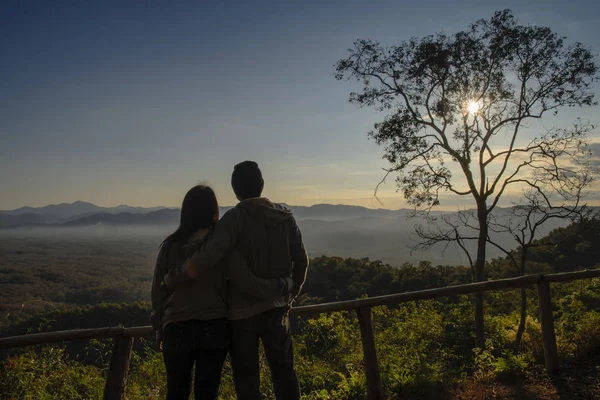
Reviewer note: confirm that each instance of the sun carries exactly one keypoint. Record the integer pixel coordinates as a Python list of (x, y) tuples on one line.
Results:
[(473, 107)]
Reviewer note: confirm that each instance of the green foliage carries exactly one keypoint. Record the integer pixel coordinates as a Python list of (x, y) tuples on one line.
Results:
[(573, 247), (511, 364), (424, 348), (49, 375), (329, 362), (336, 278), (411, 344), (147, 376), (489, 367), (578, 321), (39, 273)]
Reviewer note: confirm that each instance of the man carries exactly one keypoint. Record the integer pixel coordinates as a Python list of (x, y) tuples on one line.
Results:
[(267, 237)]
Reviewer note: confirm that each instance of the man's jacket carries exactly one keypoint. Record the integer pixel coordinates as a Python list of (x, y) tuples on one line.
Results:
[(268, 239)]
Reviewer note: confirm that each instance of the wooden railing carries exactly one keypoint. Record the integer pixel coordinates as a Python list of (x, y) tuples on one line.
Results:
[(124, 337)]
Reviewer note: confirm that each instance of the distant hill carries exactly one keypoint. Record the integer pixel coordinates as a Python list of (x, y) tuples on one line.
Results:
[(321, 212), (62, 210), (67, 210), (160, 217), (58, 213), (82, 213), (340, 230), (334, 230), (340, 212), (8, 220)]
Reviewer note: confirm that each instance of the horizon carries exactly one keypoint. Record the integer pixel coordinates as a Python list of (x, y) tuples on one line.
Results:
[(179, 206), (134, 104)]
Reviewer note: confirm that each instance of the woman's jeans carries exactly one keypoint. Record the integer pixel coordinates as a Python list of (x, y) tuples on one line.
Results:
[(204, 343)]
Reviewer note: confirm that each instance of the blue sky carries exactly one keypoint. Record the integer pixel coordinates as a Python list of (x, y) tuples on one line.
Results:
[(135, 102)]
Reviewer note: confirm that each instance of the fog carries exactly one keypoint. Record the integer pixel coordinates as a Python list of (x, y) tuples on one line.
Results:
[(386, 239), (96, 232)]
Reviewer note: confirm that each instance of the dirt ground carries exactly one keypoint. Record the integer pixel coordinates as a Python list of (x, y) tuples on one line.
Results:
[(577, 380)]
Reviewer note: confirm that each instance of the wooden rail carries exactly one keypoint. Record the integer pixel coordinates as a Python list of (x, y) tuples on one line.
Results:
[(117, 375)]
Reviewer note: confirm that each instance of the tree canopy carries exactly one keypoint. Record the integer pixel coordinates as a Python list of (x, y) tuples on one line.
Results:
[(451, 96)]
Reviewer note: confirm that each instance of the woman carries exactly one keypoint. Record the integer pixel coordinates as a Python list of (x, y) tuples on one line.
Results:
[(190, 321)]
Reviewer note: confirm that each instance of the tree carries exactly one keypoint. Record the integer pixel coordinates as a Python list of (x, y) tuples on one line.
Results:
[(463, 101), (550, 197)]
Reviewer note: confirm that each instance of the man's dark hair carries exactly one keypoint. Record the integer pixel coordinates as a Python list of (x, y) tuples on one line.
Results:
[(247, 180)]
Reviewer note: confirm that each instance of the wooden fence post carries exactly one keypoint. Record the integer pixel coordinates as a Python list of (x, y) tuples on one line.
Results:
[(547, 321), (118, 369), (374, 388)]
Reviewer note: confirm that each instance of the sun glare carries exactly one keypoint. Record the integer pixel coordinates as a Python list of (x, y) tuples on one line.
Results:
[(473, 107)]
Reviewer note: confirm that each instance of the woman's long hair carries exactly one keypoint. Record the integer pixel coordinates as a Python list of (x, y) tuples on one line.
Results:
[(199, 210)]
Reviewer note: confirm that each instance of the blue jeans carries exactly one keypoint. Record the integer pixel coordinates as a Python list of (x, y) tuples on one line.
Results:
[(204, 343), (273, 328)]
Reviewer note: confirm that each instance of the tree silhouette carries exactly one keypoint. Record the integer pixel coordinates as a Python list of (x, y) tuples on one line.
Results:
[(549, 197), (457, 104)]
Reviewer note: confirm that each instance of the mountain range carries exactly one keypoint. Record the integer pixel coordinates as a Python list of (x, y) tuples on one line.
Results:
[(64, 212), (82, 213), (333, 230)]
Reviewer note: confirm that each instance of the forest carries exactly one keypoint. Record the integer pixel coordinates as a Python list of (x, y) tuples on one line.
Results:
[(425, 348)]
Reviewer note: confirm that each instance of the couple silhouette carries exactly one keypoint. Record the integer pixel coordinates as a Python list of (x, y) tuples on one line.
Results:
[(222, 284)]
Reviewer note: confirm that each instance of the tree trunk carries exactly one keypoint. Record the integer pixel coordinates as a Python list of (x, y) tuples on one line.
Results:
[(479, 273), (521, 328)]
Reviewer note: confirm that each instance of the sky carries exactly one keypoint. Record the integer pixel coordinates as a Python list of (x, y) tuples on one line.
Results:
[(134, 102)]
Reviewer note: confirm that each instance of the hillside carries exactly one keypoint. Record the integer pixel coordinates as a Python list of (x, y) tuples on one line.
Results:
[(59, 213), (79, 213), (160, 217), (424, 348), (334, 230)]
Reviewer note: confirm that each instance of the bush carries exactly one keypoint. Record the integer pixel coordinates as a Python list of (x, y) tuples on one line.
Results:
[(578, 322), (49, 375), (489, 367), (147, 375), (329, 357)]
